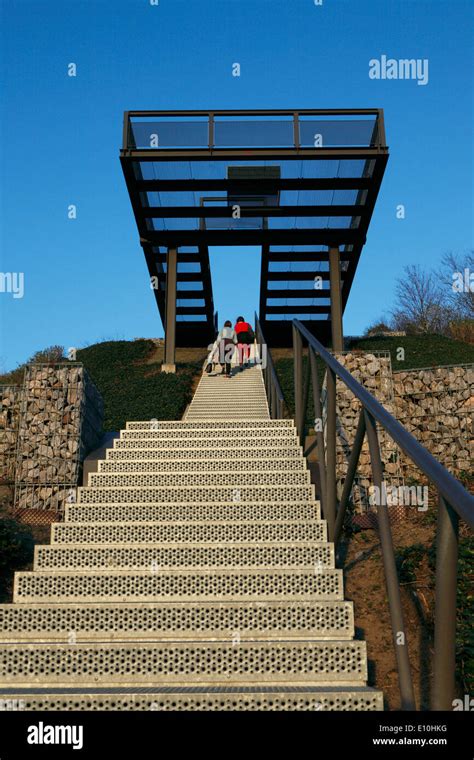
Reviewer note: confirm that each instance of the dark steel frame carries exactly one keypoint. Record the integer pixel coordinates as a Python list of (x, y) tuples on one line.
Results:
[(454, 502), (348, 240)]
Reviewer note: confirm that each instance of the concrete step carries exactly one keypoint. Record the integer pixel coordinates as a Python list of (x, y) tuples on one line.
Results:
[(177, 621), (309, 556), (207, 452), (178, 586), (195, 532), (208, 478), (157, 663), (194, 494), (250, 467), (197, 512), (196, 699)]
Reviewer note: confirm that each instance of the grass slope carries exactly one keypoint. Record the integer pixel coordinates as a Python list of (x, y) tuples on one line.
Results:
[(420, 351), (128, 375)]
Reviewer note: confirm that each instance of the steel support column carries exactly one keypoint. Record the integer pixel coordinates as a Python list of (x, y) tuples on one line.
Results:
[(336, 299), (169, 364), (444, 665), (391, 578)]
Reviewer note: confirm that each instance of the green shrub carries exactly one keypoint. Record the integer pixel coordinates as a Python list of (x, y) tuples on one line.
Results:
[(50, 355), (285, 371), (408, 560), (465, 614), (16, 545), (420, 350), (134, 389)]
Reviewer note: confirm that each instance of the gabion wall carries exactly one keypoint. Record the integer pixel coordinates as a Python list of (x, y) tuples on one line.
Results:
[(436, 405), (374, 372), (10, 396), (61, 414)]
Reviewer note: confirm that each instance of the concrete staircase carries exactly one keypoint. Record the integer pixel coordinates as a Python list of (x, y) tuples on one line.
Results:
[(192, 573)]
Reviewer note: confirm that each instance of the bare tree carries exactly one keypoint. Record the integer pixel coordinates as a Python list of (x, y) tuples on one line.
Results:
[(456, 277), (376, 328), (422, 306)]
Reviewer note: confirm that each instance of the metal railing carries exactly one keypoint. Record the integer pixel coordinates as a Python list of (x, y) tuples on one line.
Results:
[(200, 129), (454, 502), (276, 399)]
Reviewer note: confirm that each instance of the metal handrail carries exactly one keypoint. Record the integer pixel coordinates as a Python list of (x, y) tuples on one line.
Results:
[(454, 501), (450, 488), (276, 399)]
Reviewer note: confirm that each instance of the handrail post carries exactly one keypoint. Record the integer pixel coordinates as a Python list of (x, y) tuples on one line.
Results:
[(273, 391), (331, 495), (280, 409), (350, 475), (304, 406), (444, 661), (274, 400), (319, 432), (298, 379), (391, 578)]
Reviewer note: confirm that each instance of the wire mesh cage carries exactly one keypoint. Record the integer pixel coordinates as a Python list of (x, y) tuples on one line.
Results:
[(436, 405), (61, 414), (374, 371), (10, 398)]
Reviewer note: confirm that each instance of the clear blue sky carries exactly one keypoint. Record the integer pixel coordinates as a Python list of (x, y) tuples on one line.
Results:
[(86, 280)]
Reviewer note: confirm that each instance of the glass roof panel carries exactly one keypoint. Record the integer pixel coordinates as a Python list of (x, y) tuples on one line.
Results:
[(321, 132)]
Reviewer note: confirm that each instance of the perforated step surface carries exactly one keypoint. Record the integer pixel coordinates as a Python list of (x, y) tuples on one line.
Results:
[(193, 494), (250, 468), (159, 557), (184, 513), (225, 439), (179, 585), (208, 424), (201, 700), (192, 572), (191, 433), (242, 396), (234, 479), (208, 451), (173, 532), (212, 663), (231, 622)]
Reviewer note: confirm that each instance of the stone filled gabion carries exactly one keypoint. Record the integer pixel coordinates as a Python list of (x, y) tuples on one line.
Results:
[(9, 419), (374, 372), (60, 422), (437, 406)]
